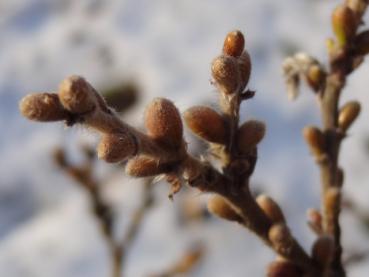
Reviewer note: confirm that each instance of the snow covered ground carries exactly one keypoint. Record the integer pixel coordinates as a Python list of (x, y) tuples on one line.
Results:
[(167, 47)]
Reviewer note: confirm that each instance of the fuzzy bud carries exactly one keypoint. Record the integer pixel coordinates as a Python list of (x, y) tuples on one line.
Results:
[(206, 123), (347, 115), (163, 123), (280, 237), (323, 249), (225, 72), (77, 95), (270, 208), (244, 67), (344, 24), (42, 107), (145, 166), (250, 134), (315, 139), (219, 206), (283, 269), (234, 44), (115, 148), (362, 43)]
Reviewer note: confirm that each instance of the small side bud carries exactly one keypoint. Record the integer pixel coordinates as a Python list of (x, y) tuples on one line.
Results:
[(315, 220), (315, 139), (234, 44), (219, 206), (250, 134), (323, 250), (283, 269), (42, 107), (270, 208), (163, 122), (76, 95), (347, 115), (315, 77), (145, 166), (344, 24), (362, 43), (206, 123), (225, 72), (281, 239), (115, 148), (244, 67)]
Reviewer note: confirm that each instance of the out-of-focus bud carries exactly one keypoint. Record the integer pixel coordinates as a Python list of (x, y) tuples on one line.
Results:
[(144, 166), (331, 46), (77, 95), (42, 107), (347, 115), (362, 43), (206, 123), (219, 206), (291, 74), (283, 269), (122, 97), (163, 123), (280, 237), (315, 77), (115, 148), (315, 139), (270, 208), (358, 6), (250, 134), (344, 24), (315, 220), (225, 72), (234, 44), (244, 66), (323, 249)]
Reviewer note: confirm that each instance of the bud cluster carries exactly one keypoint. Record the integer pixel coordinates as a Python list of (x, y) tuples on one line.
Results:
[(231, 70), (161, 150)]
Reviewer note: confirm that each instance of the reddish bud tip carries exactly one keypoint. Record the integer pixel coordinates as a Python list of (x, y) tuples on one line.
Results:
[(234, 44)]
